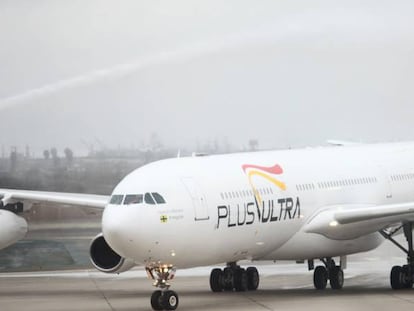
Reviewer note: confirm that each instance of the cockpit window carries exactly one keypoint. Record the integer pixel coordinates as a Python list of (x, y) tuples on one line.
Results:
[(116, 199), (133, 199), (158, 198), (149, 199)]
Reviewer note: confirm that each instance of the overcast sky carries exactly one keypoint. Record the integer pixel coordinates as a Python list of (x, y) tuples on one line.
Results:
[(288, 73)]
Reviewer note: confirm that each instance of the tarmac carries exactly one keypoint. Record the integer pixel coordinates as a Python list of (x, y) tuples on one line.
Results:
[(282, 287)]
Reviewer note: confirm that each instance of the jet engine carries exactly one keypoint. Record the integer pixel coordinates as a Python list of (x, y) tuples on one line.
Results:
[(12, 228), (105, 259)]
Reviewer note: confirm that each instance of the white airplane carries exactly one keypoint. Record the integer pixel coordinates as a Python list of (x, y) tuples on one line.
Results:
[(303, 205)]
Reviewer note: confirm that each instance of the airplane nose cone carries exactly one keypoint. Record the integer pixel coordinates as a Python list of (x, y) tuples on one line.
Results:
[(115, 228), (131, 231)]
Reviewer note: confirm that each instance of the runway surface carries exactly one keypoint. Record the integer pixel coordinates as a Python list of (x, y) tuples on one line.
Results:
[(282, 287)]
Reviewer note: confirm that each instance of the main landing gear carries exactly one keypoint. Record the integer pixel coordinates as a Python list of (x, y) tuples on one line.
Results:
[(233, 277), (162, 299), (330, 272), (402, 276)]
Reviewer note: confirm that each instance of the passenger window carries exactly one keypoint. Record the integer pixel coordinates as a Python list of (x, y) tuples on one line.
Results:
[(148, 198), (158, 198), (133, 199), (116, 199)]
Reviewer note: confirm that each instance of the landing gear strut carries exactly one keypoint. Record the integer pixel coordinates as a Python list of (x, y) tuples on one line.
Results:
[(163, 299), (402, 276), (330, 272), (233, 277)]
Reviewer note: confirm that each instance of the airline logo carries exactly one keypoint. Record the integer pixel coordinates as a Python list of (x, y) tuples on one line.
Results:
[(273, 208), (265, 172)]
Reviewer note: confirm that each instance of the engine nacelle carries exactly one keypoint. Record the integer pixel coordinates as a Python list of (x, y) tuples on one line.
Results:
[(13, 228), (105, 259), (17, 207)]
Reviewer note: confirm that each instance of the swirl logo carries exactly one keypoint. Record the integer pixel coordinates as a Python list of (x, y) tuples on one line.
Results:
[(265, 172)]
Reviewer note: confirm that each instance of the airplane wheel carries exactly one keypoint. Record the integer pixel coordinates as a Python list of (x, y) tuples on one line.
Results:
[(252, 278), (156, 300), (320, 277), (407, 277), (170, 300), (216, 280), (336, 277), (228, 279), (397, 277), (240, 280)]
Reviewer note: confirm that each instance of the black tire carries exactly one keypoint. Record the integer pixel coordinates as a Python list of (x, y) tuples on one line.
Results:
[(170, 300), (409, 285), (396, 277), (407, 278), (216, 280), (228, 279), (253, 278), (320, 277), (156, 301), (240, 280), (336, 277)]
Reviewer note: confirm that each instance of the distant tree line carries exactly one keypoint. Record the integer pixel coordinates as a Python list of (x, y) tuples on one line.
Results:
[(53, 154)]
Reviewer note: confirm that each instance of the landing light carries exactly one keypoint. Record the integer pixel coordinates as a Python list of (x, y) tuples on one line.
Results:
[(333, 223)]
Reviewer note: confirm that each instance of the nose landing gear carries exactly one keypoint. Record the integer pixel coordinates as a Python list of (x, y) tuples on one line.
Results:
[(162, 299)]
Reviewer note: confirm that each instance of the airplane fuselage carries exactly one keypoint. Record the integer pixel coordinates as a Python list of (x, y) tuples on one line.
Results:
[(253, 206)]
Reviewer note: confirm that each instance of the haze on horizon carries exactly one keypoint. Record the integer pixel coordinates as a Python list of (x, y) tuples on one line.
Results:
[(287, 73)]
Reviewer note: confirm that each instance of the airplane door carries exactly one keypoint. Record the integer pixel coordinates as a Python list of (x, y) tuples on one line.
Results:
[(197, 197)]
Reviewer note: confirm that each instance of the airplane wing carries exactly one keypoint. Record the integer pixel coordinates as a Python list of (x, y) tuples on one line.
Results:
[(87, 200), (344, 222)]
